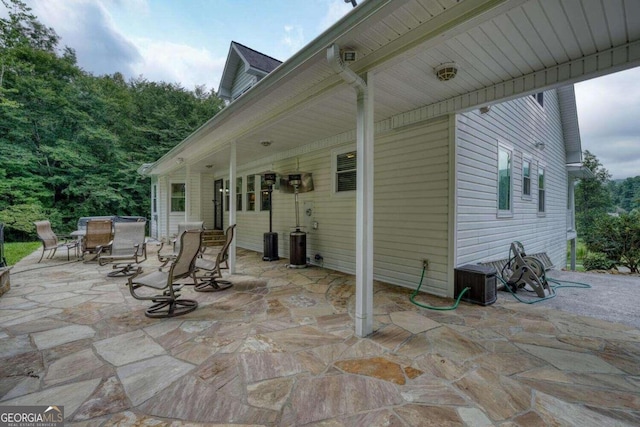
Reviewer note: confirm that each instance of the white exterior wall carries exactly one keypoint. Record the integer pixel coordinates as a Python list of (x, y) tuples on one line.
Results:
[(206, 200), (241, 81), (410, 208), (480, 234)]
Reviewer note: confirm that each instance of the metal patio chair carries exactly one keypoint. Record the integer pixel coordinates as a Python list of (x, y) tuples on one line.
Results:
[(97, 238), (51, 242), (167, 257), (128, 248), (210, 280), (167, 303)]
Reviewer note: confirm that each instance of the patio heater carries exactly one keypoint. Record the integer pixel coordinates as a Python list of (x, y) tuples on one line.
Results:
[(296, 183), (270, 238)]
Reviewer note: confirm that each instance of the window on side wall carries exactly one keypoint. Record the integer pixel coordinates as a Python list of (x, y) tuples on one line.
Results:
[(541, 191), (239, 194), (178, 197), (265, 199), (539, 97), (345, 172), (251, 192), (526, 178), (226, 195), (504, 181)]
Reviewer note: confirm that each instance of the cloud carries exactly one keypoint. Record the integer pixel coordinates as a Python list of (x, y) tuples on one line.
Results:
[(608, 111), (293, 38), (178, 63), (86, 26), (335, 11)]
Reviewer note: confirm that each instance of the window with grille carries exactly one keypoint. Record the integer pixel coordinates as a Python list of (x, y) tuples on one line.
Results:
[(526, 178), (541, 191), (346, 172), (504, 181), (178, 197), (251, 192)]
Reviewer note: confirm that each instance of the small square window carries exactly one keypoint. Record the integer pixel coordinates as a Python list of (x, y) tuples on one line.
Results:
[(265, 199)]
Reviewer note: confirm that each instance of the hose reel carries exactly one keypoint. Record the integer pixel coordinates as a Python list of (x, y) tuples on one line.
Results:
[(526, 272)]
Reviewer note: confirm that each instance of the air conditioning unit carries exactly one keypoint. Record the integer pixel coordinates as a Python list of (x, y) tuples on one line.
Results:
[(482, 283)]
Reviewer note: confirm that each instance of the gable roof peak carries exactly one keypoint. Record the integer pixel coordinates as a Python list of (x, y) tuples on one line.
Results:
[(256, 59)]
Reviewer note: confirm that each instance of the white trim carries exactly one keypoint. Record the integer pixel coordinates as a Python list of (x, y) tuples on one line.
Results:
[(452, 252)]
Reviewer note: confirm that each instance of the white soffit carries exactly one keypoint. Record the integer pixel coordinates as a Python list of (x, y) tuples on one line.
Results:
[(504, 49)]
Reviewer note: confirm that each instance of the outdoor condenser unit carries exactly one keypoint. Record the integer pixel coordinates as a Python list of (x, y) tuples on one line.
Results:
[(481, 280)]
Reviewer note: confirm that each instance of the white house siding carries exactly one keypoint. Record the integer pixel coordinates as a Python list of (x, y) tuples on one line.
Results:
[(480, 234), (241, 81), (410, 208)]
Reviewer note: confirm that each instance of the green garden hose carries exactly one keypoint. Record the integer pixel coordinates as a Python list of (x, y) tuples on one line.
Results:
[(559, 284), (430, 307)]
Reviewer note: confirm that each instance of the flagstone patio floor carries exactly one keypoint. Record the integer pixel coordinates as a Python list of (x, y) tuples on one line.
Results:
[(278, 349)]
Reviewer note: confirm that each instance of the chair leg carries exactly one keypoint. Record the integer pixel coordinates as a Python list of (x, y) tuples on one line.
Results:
[(171, 308), (42, 255), (210, 284)]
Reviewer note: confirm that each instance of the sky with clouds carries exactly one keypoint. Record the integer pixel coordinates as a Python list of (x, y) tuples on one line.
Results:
[(187, 41)]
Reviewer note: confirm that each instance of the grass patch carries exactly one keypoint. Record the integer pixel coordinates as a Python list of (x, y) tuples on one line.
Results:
[(14, 252)]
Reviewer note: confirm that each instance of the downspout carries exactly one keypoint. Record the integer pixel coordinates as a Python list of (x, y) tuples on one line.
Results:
[(364, 191)]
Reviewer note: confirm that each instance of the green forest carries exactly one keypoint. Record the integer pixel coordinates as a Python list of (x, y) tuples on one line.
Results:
[(70, 142)]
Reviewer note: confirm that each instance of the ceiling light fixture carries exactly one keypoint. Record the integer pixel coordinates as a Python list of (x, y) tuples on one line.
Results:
[(447, 71), (265, 143)]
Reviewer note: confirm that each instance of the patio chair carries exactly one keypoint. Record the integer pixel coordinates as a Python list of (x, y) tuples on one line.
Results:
[(128, 248), (210, 280), (167, 303), (167, 257), (50, 241), (97, 238)]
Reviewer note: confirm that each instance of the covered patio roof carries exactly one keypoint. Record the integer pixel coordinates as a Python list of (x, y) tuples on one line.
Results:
[(503, 49)]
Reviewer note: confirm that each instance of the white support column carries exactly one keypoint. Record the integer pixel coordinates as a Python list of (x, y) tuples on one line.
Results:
[(364, 210), (572, 219), (232, 205)]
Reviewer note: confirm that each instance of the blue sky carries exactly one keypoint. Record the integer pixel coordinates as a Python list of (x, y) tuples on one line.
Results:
[(187, 41)]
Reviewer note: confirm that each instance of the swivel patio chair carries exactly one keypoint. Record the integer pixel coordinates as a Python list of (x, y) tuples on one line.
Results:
[(167, 257), (167, 303), (50, 241), (128, 248), (210, 280), (98, 237)]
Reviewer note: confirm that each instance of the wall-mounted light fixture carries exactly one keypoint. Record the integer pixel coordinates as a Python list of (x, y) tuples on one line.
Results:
[(179, 160), (485, 109), (539, 145)]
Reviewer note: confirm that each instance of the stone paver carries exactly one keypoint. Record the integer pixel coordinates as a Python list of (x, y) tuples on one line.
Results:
[(278, 349)]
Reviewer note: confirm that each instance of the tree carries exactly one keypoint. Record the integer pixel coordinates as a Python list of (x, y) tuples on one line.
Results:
[(592, 197), (70, 142)]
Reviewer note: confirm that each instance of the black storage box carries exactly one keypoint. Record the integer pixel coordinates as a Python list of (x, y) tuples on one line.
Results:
[(481, 280)]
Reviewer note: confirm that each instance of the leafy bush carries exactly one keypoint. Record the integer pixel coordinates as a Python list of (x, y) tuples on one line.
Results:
[(618, 238), (597, 261)]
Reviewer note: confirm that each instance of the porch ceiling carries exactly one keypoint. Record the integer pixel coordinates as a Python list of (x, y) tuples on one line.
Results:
[(503, 49)]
